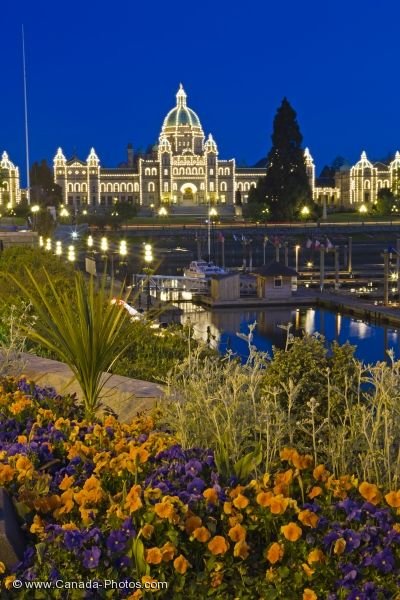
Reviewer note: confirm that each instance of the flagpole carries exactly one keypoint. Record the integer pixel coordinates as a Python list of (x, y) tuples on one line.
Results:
[(26, 119)]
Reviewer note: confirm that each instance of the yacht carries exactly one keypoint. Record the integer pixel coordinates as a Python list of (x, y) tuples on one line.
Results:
[(200, 269)]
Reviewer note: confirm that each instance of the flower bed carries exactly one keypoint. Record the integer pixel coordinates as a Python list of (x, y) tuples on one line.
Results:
[(110, 501)]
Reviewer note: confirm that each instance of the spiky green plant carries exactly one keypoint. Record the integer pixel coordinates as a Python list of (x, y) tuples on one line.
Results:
[(84, 329)]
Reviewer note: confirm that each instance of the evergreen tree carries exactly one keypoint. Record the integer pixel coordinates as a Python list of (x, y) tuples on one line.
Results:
[(285, 188), (43, 188)]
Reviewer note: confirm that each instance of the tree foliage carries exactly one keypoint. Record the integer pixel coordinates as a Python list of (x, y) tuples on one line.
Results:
[(43, 188), (285, 188)]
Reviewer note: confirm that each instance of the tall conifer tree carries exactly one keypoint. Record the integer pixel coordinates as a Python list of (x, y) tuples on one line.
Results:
[(286, 187)]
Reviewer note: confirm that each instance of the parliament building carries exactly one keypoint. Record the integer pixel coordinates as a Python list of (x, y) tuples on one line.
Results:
[(184, 169)]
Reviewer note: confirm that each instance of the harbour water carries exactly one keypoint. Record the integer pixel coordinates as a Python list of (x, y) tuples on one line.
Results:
[(221, 327)]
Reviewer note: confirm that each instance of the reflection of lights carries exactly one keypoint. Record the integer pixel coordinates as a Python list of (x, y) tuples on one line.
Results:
[(58, 248), (48, 244), (71, 253), (338, 323), (104, 244), (90, 241), (123, 250), (41, 241), (309, 323), (360, 329)]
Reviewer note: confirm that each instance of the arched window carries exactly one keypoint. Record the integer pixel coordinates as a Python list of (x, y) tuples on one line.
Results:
[(77, 187), (154, 171), (166, 186), (109, 187), (123, 187), (367, 185), (220, 171), (253, 184), (70, 187), (246, 186), (201, 171), (386, 183), (129, 187), (147, 172), (227, 171), (188, 171), (116, 187), (194, 171), (223, 186), (150, 187), (174, 187), (211, 186), (175, 171), (84, 187), (136, 187), (202, 186), (181, 171)]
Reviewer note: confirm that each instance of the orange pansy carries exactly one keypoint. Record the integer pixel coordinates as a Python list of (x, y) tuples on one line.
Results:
[(275, 553), (211, 495), (192, 523), (291, 531), (315, 556), (147, 531), (278, 504), (218, 545), (168, 551), (393, 499), (309, 595), (164, 510), (308, 518), (237, 533), (181, 564), (314, 492), (240, 501), (153, 556), (201, 534), (307, 570), (370, 492), (263, 498), (339, 546), (241, 550)]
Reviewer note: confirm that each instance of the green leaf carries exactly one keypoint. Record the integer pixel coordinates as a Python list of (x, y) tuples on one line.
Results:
[(248, 463)]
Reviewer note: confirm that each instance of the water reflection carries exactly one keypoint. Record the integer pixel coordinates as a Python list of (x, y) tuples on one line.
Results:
[(371, 341)]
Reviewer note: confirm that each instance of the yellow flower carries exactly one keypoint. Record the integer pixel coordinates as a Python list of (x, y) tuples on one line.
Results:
[(218, 545), (228, 508), (309, 595), (67, 503), (66, 482), (308, 518), (8, 581), (339, 546), (320, 473), (201, 534), (314, 492), (37, 525), (132, 500), (181, 564), (22, 439), (192, 523), (315, 556), (147, 531), (168, 551), (164, 510), (24, 468), (291, 531), (2, 568), (263, 498), (278, 504), (69, 526), (393, 499), (275, 553), (370, 492), (240, 501), (210, 494), (241, 550), (153, 556), (88, 515), (6, 474), (237, 533), (307, 570)]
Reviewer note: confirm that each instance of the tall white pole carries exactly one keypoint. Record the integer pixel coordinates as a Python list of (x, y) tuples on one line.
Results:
[(26, 119)]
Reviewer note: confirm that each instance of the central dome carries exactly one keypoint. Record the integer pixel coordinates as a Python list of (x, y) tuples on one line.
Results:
[(181, 115)]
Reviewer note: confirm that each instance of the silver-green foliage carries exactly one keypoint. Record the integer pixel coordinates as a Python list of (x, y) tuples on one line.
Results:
[(353, 426)]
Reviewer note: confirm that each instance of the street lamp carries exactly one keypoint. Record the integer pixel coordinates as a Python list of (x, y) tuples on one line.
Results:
[(305, 211), (211, 213), (163, 212), (58, 248), (71, 253), (363, 209), (90, 242), (123, 251), (41, 241), (148, 258), (48, 244), (34, 210), (296, 249), (64, 212), (104, 244)]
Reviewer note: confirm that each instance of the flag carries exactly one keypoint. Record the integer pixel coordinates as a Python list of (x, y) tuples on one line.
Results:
[(317, 244), (309, 243), (329, 244), (235, 238)]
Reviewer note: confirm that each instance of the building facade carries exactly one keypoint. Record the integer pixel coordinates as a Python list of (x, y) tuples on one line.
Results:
[(10, 191), (184, 168)]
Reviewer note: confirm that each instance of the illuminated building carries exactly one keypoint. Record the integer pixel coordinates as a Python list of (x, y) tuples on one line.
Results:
[(10, 192), (184, 168)]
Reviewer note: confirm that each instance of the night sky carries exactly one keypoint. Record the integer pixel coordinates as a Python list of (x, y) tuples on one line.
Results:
[(104, 74)]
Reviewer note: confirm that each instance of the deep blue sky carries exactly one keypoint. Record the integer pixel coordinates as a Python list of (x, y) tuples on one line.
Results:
[(105, 73)]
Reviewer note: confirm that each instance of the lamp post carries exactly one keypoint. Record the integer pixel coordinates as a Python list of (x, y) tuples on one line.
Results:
[(71, 253), (34, 210), (211, 213), (296, 250), (123, 251), (148, 258), (58, 248)]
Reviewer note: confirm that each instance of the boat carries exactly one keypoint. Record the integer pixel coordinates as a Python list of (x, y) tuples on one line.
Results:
[(200, 269)]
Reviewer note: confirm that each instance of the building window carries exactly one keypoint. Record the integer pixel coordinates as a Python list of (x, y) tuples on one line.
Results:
[(202, 185), (223, 186), (165, 171), (211, 186), (211, 171), (150, 187), (147, 172), (277, 282)]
